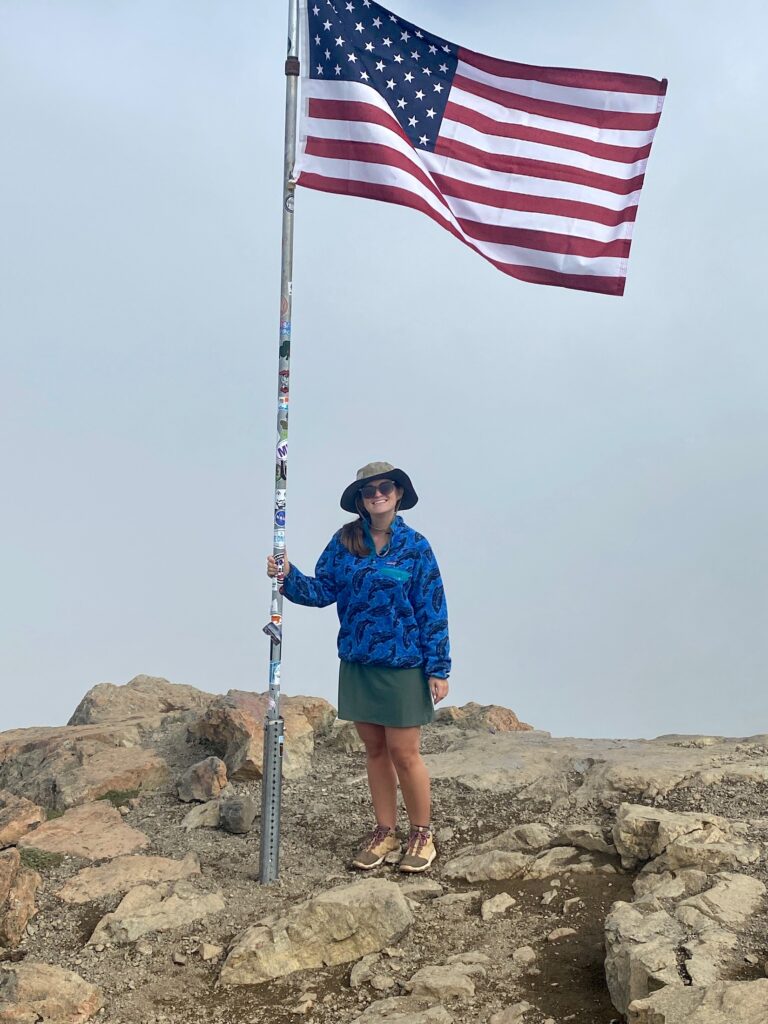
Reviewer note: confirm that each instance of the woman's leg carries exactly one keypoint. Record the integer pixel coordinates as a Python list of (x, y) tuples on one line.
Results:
[(382, 779), (403, 747)]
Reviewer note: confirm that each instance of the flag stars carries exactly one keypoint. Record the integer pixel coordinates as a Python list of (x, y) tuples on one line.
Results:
[(412, 122), (327, 54), (444, 68), (420, 95), (350, 7), (339, 41), (433, 49), (387, 41), (438, 87), (423, 140), (401, 103), (352, 58), (398, 59), (359, 27), (431, 112), (415, 55), (377, 23), (337, 69), (369, 47), (364, 76), (446, 49), (405, 36), (426, 71), (315, 10), (320, 70), (391, 83), (409, 77), (379, 65), (327, 26)]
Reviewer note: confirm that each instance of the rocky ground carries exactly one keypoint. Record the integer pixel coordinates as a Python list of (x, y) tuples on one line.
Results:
[(583, 881)]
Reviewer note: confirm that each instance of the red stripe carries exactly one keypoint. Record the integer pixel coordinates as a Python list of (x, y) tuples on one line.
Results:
[(402, 197), (508, 164), (371, 153), (605, 81), (545, 241), (354, 110), (532, 204), (614, 119), (490, 126)]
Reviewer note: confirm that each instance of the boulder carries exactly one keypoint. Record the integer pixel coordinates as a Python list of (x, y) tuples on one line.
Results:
[(124, 873), (234, 726), (32, 992), (93, 832), (338, 926), (404, 1010), (725, 1002), (671, 884), (730, 902), (237, 814), (585, 837), (344, 738), (18, 888), (144, 697), (641, 943), (644, 833), (507, 855), (202, 781), (63, 767), (710, 850), (17, 817), (203, 816), (487, 718), (147, 909), (436, 984)]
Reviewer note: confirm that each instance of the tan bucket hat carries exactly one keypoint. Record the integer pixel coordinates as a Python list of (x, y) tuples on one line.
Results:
[(379, 471)]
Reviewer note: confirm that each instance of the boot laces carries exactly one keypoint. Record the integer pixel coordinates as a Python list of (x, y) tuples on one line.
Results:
[(417, 841), (378, 835)]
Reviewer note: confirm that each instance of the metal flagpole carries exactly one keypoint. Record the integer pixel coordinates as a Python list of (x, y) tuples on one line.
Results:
[(272, 776)]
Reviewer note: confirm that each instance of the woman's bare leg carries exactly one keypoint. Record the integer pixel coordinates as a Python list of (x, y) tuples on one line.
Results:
[(403, 747), (382, 779)]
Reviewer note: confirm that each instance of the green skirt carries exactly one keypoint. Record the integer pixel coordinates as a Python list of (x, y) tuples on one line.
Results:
[(380, 695)]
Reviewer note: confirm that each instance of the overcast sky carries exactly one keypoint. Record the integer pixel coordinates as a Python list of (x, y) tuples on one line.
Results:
[(592, 470)]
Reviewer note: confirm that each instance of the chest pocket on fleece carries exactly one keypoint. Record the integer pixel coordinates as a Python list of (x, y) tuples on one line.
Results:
[(394, 574)]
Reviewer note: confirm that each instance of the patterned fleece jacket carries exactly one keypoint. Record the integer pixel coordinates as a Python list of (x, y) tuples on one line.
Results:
[(391, 607)]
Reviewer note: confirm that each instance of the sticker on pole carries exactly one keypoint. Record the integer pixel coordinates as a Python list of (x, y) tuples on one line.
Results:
[(282, 449)]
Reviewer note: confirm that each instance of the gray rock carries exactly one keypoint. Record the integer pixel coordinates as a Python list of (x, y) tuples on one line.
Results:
[(437, 984), (42, 992), (237, 814), (732, 1002), (499, 904), (336, 927), (203, 781), (404, 1010), (642, 942), (147, 909)]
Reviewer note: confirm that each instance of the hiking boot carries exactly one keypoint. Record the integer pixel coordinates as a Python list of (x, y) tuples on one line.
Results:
[(420, 851), (376, 846)]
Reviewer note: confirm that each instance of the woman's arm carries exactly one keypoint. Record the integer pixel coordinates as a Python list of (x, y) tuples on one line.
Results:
[(431, 610), (315, 591)]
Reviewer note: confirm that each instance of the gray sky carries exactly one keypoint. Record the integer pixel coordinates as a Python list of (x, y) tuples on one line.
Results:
[(592, 469)]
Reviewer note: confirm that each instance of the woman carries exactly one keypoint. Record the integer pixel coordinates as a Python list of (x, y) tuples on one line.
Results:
[(393, 646)]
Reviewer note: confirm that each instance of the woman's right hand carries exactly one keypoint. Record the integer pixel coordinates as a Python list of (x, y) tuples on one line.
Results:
[(272, 566)]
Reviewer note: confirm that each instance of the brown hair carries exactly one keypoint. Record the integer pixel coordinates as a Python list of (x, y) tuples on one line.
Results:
[(352, 535)]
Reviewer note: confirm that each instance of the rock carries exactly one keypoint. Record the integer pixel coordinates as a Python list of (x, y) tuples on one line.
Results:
[(32, 992), (404, 1010), (642, 942), (18, 888), (144, 697), (123, 873), (470, 956), (558, 860), (549, 896), (234, 726), (66, 766), (142, 948), (488, 718), (17, 817), (363, 970), (560, 933), (456, 899), (208, 951), (338, 926), (524, 955), (511, 1015), (496, 905), (237, 814), (93, 831), (725, 1002), (436, 984), (203, 816), (671, 884), (507, 855), (147, 909), (585, 837), (644, 833), (345, 739), (202, 781), (710, 850), (730, 902), (419, 888), (179, 959)]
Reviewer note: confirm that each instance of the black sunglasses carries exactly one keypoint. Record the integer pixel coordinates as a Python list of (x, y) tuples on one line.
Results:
[(385, 488)]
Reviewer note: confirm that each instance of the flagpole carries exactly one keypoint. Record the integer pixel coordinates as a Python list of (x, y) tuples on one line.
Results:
[(274, 726)]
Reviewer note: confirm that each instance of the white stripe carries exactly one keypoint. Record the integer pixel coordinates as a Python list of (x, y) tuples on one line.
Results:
[(538, 221), (592, 99), (539, 151), (548, 188), (349, 170), (508, 115)]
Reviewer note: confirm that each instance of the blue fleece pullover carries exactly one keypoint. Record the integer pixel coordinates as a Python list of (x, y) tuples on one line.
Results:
[(391, 607)]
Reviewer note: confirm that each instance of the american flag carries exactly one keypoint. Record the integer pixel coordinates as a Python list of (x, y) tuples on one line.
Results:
[(537, 169)]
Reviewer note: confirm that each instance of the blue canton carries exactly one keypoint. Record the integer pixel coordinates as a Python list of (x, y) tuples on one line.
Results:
[(391, 607), (360, 41)]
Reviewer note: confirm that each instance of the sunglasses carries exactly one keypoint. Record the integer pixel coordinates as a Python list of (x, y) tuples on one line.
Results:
[(385, 488)]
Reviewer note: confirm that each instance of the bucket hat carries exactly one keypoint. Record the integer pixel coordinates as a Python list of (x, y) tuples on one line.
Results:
[(378, 471)]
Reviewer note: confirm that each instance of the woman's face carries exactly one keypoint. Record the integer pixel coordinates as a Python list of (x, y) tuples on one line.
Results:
[(379, 503)]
